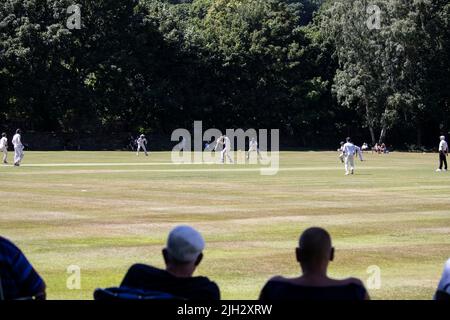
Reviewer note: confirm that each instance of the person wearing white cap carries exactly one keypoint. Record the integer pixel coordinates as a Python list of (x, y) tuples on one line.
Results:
[(443, 290), (443, 153), (141, 144), (182, 255)]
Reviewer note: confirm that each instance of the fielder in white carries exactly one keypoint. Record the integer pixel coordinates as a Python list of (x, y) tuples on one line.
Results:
[(141, 144), (349, 150), (225, 141), (359, 152), (18, 148), (341, 150), (4, 148), (253, 146)]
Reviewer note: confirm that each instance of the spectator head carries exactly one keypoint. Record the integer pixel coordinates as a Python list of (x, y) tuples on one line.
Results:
[(314, 250), (348, 139), (184, 251), (18, 131), (442, 137), (3, 135)]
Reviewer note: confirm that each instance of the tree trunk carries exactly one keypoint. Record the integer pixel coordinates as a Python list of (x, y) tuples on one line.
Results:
[(372, 135), (419, 135), (382, 134), (369, 122)]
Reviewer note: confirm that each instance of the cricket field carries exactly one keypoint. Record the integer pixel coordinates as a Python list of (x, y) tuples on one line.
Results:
[(104, 211)]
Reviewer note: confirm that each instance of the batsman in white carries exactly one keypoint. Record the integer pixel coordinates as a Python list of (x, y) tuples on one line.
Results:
[(225, 141), (253, 146), (4, 147), (18, 148), (349, 150), (141, 144)]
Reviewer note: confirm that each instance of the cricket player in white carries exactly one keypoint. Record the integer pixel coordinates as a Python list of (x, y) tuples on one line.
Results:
[(359, 152), (18, 148), (4, 148), (142, 144), (443, 153), (225, 141), (253, 146), (349, 156), (341, 150)]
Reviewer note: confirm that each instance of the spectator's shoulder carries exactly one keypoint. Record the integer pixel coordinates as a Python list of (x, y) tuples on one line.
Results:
[(140, 267), (215, 290), (353, 281), (9, 246), (275, 280)]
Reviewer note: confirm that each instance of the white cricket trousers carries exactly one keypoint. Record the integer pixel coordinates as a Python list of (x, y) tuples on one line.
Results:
[(5, 154), (141, 147), (18, 154), (225, 153), (349, 161), (253, 148)]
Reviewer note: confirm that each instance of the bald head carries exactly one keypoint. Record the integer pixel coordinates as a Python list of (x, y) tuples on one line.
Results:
[(314, 247)]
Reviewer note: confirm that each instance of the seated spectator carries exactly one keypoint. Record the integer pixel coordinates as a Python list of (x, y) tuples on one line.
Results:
[(313, 253), (443, 290), (383, 148), (376, 148), (182, 255), (365, 147), (18, 279)]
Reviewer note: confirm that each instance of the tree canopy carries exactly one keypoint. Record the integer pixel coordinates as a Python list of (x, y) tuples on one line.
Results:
[(312, 68)]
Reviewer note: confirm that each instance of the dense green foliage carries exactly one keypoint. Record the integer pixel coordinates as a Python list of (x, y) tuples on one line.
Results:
[(314, 70)]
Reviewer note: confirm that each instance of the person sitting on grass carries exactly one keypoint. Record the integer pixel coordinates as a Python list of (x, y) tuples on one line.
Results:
[(182, 255), (376, 148), (313, 253), (443, 290), (18, 279), (365, 147)]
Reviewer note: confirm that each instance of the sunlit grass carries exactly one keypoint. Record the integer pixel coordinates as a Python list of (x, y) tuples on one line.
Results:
[(394, 213)]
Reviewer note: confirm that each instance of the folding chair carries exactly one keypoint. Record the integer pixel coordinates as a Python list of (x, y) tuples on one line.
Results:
[(126, 293)]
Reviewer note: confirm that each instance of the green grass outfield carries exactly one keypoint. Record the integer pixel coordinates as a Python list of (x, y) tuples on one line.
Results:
[(104, 211)]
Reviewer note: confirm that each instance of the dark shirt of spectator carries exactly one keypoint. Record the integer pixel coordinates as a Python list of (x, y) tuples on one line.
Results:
[(191, 288), (182, 254), (280, 289), (18, 279)]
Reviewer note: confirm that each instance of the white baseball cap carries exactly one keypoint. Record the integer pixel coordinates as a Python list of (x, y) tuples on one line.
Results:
[(442, 137), (185, 244)]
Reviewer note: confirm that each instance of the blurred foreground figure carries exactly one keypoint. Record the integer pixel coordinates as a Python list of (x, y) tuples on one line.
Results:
[(314, 252), (18, 279), (182, 255)]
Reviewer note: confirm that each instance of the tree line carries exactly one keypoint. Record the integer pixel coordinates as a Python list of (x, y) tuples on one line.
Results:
[(318, 70)]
